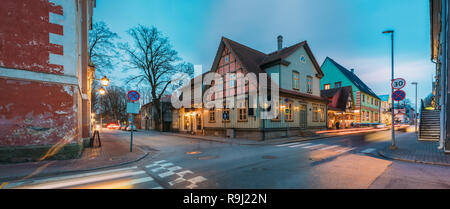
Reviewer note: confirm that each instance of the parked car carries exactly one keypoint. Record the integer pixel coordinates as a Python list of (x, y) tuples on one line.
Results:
[(129, 128), (113, 126), (123, 127)]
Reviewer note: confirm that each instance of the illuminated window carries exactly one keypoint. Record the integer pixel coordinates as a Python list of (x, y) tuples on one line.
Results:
[(289, 112), (322, 113), (243, 111), (295, 80), (326, 86), (212, 115), (315, 113)]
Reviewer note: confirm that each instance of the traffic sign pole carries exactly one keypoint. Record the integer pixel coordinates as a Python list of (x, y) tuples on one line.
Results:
[(133, 96)]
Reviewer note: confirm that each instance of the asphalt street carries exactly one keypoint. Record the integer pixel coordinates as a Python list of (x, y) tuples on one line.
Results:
[(185, 163)]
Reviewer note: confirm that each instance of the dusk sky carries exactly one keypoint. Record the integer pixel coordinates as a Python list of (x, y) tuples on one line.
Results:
[(348, 31)]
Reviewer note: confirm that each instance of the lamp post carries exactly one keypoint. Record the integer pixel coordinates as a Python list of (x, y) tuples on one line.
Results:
[(415, 109), (104, 82), (393, 146)]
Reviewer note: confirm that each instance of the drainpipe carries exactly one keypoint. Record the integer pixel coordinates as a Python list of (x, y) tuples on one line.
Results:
[(443, 120)]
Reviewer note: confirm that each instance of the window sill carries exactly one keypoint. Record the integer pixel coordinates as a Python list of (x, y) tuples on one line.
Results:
[(242, 120), (227, 121)]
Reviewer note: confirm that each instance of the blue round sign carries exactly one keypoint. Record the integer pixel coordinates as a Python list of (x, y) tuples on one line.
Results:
[(398, 95), (133, 95)]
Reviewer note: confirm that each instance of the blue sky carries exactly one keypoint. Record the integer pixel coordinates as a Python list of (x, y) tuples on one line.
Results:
[(348, 31)]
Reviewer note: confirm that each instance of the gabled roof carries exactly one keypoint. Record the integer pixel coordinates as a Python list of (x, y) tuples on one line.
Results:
[(353, 78), (255, 61), (339, 97)]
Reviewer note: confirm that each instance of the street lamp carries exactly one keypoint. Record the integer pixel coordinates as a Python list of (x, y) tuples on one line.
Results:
[(104, 81), (415, 110), (102, 92), (392, 89)]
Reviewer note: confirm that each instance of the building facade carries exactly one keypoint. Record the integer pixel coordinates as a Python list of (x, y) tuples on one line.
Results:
[(385, 109), (439, 55), (45, 79), (367, 103), (301, 109), (341, 107)]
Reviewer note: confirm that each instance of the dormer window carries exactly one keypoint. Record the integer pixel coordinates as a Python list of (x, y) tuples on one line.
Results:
[(226, 59)]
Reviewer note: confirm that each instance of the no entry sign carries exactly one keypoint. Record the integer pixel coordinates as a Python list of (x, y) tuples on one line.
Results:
[(398, 83), (133, 95), (398, 95)]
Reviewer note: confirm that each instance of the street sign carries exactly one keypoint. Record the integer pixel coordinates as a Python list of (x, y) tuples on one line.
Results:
[(225, 116), (398, 83), (133, 107), (133, 96), (398, 95)]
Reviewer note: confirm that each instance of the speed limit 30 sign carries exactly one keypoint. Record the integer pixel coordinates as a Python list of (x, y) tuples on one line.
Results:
[(398, 83)]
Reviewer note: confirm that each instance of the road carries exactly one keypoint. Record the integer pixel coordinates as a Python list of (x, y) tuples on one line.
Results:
[(186, 163)]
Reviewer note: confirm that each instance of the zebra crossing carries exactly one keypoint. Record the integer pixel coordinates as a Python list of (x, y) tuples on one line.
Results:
[(176, 176), (321, 147), (121, 178), (151, 176)]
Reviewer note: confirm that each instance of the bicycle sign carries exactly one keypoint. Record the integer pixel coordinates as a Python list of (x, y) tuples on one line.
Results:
[(398, 83)]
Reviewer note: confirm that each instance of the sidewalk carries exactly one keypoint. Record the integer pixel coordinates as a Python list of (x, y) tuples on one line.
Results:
[(412, 150), (114, 152)]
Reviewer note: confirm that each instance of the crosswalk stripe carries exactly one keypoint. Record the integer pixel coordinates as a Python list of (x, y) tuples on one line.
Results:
[(167, 164), (300, 145), (165, 174), (84, 180), (345, 150), (329, 147), (289, 144), (368, 150), (11, 185), (175, 168), (316, 145), (124, 184)]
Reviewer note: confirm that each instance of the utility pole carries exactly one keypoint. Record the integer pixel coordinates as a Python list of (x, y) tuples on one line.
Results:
[(415, 109), (393, 146)]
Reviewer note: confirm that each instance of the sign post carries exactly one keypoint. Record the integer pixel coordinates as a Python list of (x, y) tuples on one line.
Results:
[(396, 84), (132, 108)]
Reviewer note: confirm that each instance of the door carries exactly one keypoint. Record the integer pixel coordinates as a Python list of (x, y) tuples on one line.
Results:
[(199, 122), (303, 116)]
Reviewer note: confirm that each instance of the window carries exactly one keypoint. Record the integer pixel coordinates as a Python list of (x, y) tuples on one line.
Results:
[(220, 84), (326, 86), (363, 115), (338, 84), (309, 84), (226, 59), (367, 116), (322, 113), (232, 80), (372, 100), (243, 111), (212, 115), (315, 113), (364, 98), (295, 80), (289, 112), (227, 111)]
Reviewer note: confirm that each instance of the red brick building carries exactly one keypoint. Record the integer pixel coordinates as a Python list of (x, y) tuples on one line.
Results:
[(44, 78)]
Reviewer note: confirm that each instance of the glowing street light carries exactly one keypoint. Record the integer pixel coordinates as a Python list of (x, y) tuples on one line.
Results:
[(101, 91), (104, 81)]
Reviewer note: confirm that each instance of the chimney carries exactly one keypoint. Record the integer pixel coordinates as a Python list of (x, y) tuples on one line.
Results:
[(352, 70), (280, 42)]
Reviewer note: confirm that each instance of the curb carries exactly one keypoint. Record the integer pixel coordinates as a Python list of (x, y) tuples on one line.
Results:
[(261, 144), (3, 180), (411, 161)]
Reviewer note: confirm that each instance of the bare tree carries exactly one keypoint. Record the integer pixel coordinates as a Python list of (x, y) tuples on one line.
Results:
[(152, 55), (102, 49), (115, 103)]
